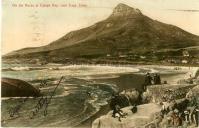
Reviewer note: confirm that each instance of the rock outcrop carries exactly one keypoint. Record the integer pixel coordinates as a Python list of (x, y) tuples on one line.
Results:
[(123, 10), (17, 88), (164, 93)]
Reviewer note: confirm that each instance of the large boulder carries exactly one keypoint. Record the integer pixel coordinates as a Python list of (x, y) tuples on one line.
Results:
[(17, 88)]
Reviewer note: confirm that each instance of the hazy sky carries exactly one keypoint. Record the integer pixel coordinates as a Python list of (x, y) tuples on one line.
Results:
[(36, 26)]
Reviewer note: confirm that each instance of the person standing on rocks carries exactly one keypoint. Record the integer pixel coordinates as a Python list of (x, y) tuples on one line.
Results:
[(148, 80), (158, 79)]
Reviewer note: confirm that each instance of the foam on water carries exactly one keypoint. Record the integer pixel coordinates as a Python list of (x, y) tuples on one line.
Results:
[(78, 71)]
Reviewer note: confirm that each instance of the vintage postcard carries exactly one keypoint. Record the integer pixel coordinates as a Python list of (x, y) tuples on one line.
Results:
[(100, 63)]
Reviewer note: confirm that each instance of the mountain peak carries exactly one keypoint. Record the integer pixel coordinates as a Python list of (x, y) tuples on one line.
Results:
[(121, 5), (125, 10)]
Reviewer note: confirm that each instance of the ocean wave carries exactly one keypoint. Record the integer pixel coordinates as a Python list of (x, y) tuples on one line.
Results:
[(23, 68), (84, 70), (20, 68)]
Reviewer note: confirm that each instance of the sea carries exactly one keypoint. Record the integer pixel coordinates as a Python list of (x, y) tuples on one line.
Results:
[(82, 91)]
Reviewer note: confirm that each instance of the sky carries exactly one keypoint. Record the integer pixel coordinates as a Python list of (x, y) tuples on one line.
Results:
[(33, 23)]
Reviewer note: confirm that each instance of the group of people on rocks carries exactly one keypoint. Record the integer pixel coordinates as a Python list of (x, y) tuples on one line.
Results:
[(152, 79), (115, 105), (175, 113), (117, 102), (184, 113)]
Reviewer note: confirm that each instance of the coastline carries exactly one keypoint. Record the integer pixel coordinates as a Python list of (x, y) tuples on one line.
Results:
[(105, 62)]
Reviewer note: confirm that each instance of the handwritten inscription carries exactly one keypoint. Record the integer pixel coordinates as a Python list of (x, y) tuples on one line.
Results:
[(15, 110), (43, 102), (43, 83)]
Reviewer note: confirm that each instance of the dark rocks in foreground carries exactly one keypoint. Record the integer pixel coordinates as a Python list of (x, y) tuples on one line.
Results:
[(17, 88)]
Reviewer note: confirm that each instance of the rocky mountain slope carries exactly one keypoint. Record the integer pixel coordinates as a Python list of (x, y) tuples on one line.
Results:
[(125, 31)]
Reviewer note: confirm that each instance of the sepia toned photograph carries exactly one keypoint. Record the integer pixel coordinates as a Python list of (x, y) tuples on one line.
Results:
[(100, 63)]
